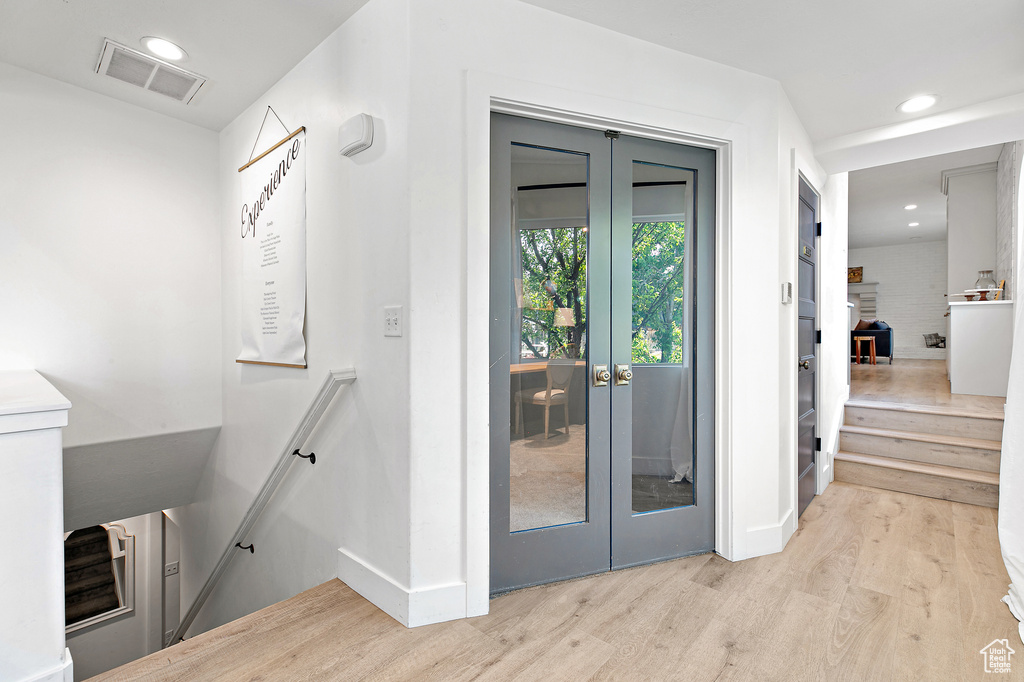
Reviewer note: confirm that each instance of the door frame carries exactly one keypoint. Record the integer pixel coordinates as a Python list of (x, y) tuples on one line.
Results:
[(487, 93)]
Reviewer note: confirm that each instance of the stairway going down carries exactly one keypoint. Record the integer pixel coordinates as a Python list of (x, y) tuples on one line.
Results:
[(933, 451), (89, 587)]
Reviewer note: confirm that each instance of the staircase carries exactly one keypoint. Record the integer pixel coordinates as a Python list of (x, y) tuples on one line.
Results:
[(89, 587), (933, 451)]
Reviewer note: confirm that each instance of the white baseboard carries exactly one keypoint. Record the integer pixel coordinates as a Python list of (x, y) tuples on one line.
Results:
[(411, 608), (769, 539), (65, 672)]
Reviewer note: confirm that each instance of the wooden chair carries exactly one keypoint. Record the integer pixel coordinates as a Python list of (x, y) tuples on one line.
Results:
[(559, 375)]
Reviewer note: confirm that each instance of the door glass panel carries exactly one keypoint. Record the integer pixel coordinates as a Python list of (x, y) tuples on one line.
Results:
[(548, 338), (662, 338)]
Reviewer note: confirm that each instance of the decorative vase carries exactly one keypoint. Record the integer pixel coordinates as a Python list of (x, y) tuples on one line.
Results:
[(985, 280)]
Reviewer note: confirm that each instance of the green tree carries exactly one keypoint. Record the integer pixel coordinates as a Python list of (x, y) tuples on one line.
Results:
[(555, 275), (554, 264), (658, 291)]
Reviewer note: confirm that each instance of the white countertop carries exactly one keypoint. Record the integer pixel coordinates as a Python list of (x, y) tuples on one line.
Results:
[(980, 303), (27, 391)]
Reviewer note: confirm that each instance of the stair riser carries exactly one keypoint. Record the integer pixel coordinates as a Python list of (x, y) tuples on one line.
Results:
[(978, 459), (968, 427), (927, 485)]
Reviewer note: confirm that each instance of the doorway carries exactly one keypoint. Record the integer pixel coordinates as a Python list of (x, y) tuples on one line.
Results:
[(601, 351)]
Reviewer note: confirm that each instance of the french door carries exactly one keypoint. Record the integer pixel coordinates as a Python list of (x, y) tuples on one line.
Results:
[(601, 351)]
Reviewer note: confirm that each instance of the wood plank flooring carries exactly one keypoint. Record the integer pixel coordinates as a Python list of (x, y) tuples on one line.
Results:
[(914, 382), (875, 585)]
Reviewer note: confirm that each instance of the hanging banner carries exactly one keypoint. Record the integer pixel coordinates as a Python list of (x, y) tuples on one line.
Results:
[(273, 234)]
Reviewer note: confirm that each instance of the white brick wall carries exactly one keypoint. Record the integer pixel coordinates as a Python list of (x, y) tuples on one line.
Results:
[(911, 283), (1007, 174)]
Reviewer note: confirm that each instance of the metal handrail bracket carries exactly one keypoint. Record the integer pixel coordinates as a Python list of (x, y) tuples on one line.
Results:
[(332, 383)]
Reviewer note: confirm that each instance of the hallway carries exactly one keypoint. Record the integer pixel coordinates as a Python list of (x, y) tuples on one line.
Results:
[(875, 585)]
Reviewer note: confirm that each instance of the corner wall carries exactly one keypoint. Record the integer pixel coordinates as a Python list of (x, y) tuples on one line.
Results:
[(110, 259), (356, 496)]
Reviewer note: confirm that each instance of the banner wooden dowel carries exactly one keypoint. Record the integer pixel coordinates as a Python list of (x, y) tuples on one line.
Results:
[(300, 130), (269, 364)]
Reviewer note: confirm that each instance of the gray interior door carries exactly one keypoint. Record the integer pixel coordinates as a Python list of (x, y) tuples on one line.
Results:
[(601, 364), (807, 345), (663, 330)]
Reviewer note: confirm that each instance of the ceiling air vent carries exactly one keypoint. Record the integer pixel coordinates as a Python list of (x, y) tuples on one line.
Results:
[(132, 66)]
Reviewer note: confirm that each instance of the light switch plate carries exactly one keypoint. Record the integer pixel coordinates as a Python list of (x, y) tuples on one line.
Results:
[(393, 320)]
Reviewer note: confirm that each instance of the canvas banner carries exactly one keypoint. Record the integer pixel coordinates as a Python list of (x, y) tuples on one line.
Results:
[(273, 236)]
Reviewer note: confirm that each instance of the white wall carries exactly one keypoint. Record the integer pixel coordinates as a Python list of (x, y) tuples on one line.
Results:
[(971, 228), (356, 496), (110, 258), (911, 283), (120, 640)]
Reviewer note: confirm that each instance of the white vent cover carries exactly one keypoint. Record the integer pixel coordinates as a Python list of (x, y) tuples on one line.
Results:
[(132, 66)]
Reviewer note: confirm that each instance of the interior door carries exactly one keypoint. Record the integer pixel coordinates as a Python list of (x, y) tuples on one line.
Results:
[(662, 329), (807, 346), (550, 315), (601, 362)]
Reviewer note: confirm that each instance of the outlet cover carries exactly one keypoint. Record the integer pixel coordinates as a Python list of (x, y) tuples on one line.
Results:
[(393, 320), (171, 569)]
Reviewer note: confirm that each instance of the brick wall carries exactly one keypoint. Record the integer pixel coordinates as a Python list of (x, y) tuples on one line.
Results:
[(1007, 174), (911, 283)]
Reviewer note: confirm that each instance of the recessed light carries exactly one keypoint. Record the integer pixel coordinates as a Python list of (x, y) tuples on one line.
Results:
[(910, 207), (915, 104), (913, 224), (164, 49)]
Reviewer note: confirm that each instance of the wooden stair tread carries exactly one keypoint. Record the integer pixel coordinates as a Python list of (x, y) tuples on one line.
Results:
[(943, 410), (958, 441), (955, 473)]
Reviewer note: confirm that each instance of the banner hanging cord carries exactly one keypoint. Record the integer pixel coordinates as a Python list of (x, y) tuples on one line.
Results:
[(257, 141)]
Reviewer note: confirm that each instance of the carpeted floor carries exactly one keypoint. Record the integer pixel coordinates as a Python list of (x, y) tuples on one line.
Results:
[(548, 486)]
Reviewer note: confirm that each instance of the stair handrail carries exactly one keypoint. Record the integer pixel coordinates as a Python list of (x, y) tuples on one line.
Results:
[(332, 383)]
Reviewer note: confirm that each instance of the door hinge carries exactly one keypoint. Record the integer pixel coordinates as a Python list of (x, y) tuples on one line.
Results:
[(817, 227), (817, 444), (817, 336), (611, 134)]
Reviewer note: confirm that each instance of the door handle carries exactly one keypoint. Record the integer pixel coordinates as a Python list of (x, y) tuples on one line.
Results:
[(806, 364), (622, 375), (601, 375)]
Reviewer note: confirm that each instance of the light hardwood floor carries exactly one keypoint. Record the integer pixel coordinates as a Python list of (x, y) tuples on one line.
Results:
[(914, 382), (875, 585)]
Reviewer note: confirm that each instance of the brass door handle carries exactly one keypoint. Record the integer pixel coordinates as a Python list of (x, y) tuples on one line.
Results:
[(806, 364), (601, 375), (622, 375)]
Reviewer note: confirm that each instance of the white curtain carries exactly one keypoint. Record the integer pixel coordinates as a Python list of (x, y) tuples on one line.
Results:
[(1011, 466)]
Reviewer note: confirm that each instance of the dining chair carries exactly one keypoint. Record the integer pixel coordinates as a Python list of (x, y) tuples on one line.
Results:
[(559, 375)]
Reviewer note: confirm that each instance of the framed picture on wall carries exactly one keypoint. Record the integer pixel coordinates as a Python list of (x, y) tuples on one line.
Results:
[(855, 275)]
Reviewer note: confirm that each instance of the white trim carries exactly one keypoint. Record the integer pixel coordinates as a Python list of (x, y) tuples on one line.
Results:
[(966, 170), (411, 608), (770, 539), (63, 672), (487, 92)]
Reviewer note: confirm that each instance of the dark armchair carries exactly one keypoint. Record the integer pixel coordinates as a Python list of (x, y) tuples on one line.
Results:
[(881, 332)]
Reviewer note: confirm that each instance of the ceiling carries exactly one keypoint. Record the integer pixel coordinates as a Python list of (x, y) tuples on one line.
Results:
[(242, 46), (844, 65), (878, 196)]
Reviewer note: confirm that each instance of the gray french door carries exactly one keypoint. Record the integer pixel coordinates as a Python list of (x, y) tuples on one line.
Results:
[(601, 351)]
